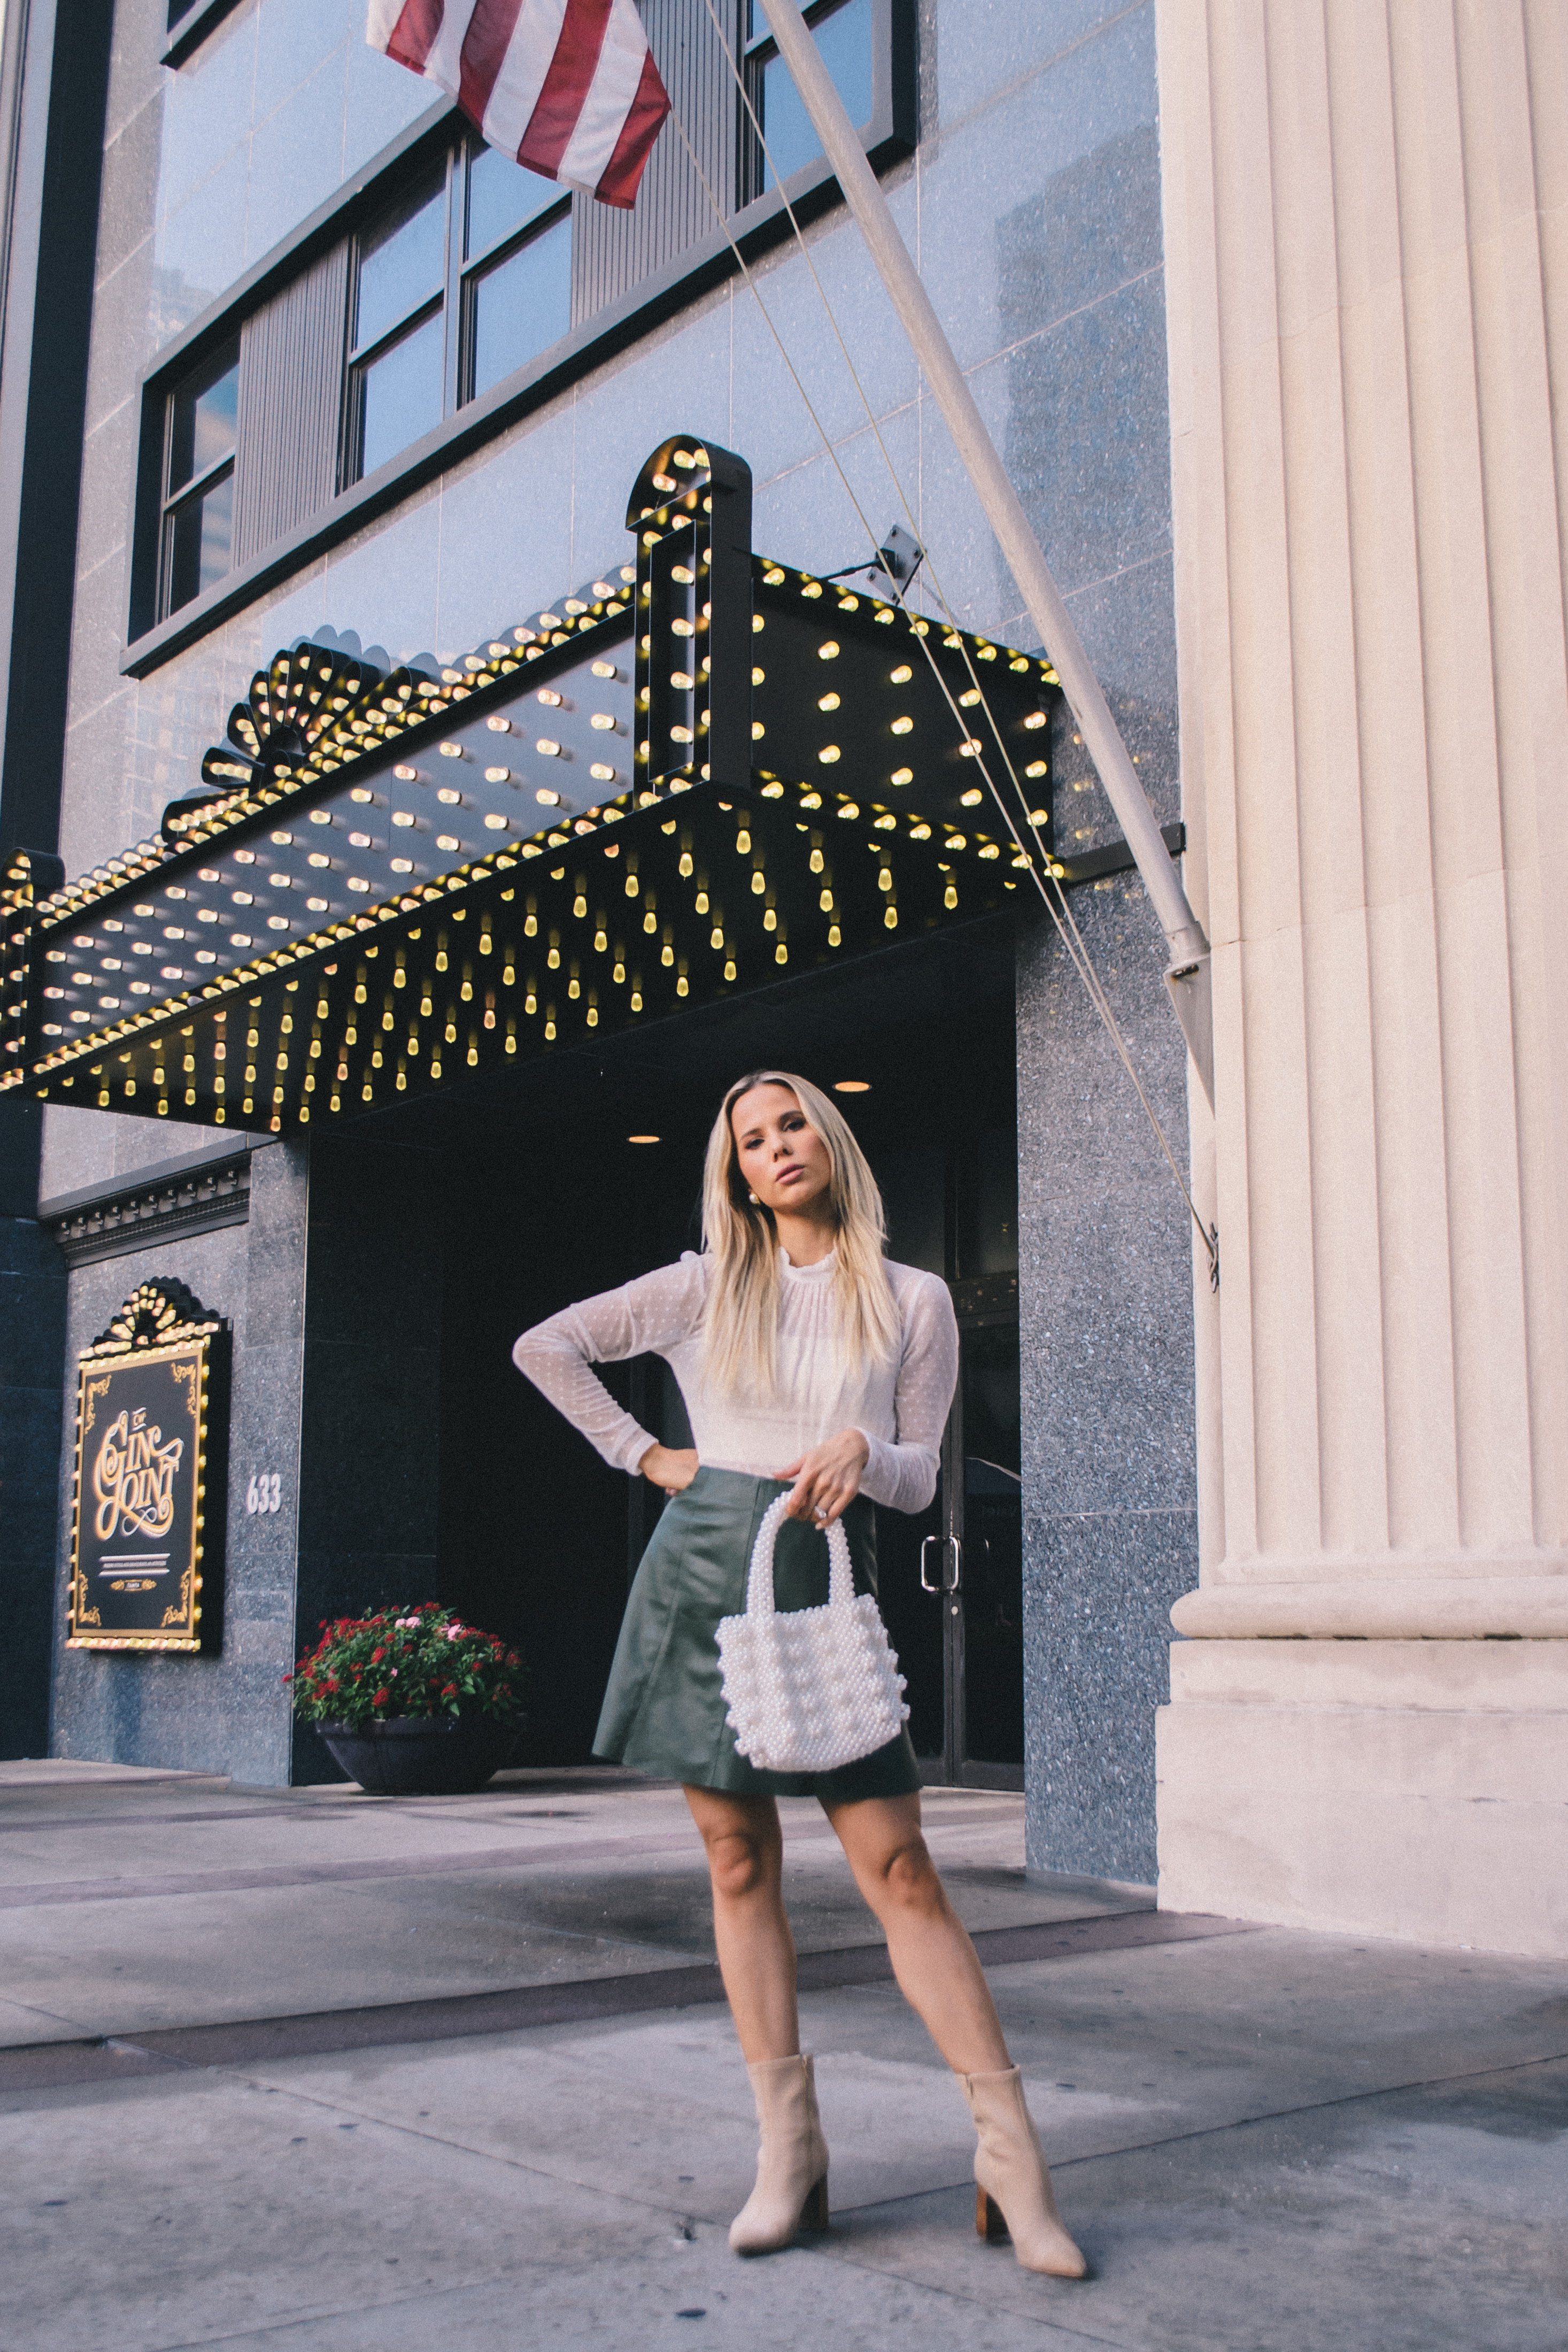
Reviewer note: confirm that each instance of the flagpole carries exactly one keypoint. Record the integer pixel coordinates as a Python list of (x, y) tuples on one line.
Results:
[(1188, 975)]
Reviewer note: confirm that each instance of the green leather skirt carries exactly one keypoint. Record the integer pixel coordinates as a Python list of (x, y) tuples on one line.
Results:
[(663, 1710)]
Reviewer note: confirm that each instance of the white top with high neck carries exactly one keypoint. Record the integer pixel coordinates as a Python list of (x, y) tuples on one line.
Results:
[(900, 1408)]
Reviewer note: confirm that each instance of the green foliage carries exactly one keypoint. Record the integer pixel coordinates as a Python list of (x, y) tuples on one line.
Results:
[(419, 1660)]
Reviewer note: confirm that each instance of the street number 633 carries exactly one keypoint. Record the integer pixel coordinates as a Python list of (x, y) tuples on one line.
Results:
[(264, 1492)]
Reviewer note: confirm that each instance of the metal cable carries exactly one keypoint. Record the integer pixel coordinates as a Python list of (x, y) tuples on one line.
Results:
[(1053, 897)]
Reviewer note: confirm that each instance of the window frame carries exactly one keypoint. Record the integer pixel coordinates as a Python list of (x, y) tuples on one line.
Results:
[(359, 357), (757, 52), (189, 22), (196, 485), (469, 270), (457, 298), (757, 226)]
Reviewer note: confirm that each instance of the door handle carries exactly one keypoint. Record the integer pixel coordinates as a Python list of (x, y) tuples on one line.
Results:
[(925, 1584), (955, 1579)]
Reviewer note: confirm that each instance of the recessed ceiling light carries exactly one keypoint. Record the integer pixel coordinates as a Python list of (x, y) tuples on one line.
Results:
[(851, 1085), (642, 1139)]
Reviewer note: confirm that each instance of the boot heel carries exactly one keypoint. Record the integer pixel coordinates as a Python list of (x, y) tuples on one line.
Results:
[(989, 2222), (814, 2211)]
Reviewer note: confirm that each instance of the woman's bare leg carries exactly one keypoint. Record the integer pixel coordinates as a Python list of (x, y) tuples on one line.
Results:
[(934, 1962), (750, 1928)]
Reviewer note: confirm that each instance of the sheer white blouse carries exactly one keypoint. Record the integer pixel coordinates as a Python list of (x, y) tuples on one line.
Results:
[(899, 1408)]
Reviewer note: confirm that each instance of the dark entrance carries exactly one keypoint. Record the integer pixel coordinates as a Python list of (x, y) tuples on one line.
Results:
[(547, 1200)]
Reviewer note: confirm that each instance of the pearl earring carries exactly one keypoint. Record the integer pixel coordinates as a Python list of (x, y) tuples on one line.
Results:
[(754, 1201)]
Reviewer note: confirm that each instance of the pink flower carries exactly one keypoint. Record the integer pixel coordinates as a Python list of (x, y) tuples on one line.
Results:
[(453, 1633)]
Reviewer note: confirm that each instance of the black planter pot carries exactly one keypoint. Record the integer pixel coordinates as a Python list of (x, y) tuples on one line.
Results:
[(423, 1756)]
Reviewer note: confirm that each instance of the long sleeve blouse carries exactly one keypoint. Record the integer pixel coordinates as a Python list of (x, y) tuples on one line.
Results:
[(899, 1407)]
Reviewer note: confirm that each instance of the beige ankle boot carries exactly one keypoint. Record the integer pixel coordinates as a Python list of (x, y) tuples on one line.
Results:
[(791, 2191), (1013, 2198)]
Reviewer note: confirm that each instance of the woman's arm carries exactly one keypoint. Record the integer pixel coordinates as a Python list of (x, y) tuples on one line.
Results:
[(652, 1313), (901, 1472)]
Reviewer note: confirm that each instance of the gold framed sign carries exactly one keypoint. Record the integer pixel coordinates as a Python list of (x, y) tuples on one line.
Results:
[(151, 1444)]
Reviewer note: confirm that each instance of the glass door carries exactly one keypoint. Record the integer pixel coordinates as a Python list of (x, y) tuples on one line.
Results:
[(952, 1580)]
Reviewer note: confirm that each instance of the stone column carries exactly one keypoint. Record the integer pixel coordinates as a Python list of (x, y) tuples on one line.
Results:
[(1366, 238)]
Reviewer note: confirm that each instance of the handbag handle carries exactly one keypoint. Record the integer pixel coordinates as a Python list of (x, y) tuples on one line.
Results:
[(759, 1582)]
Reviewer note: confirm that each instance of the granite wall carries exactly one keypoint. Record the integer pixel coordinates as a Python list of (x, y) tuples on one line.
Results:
[(1110, 1518), (228, 1712), (32, 1339), (1105, 1303)]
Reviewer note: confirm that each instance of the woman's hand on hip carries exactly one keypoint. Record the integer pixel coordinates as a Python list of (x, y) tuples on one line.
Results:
[(669, 1466), (828, 1478)]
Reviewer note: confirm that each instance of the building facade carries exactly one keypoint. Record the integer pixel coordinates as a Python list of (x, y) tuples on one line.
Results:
[(354, 390), (355, 380)]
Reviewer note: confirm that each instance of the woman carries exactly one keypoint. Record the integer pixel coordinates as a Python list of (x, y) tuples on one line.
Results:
[(806, 1360)]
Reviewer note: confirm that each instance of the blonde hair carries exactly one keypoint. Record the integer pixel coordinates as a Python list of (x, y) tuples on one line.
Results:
[(740, 1327)]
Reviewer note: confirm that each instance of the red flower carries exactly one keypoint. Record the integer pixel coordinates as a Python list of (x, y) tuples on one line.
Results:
[(332, 1682), (380, 1698), (376, 1657), (449, 1690)]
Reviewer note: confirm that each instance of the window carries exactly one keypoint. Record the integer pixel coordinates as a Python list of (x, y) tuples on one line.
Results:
[(460, 283), (445, 291), (398, 381), (198, 479), (518, 281), (844, 33)]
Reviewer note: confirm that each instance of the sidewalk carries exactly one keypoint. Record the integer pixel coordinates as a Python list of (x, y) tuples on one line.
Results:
[(305, 2068)]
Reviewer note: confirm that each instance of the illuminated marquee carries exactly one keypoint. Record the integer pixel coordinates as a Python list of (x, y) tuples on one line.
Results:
[(702, 773)]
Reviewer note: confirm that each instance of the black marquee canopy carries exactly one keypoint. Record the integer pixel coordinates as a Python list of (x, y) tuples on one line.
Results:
[(702, 773)]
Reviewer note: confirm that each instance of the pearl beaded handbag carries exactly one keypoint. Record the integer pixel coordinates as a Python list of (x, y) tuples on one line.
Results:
[(809, 1689)]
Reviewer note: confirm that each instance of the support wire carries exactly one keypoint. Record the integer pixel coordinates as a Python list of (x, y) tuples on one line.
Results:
[(1052, 895)]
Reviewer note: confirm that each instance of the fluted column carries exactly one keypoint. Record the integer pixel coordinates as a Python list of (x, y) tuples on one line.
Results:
[(1366, 241)]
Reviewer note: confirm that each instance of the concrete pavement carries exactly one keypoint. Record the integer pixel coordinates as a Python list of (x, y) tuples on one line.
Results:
[(1264, 2140)]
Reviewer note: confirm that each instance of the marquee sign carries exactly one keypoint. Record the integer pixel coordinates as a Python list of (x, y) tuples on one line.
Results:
[(705, 771), (151, 1441)]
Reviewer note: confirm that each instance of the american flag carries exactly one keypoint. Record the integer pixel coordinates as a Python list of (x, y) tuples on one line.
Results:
[(566, 86)]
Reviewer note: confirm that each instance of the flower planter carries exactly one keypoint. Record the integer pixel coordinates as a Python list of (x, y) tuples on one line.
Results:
[(423, 1756)]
